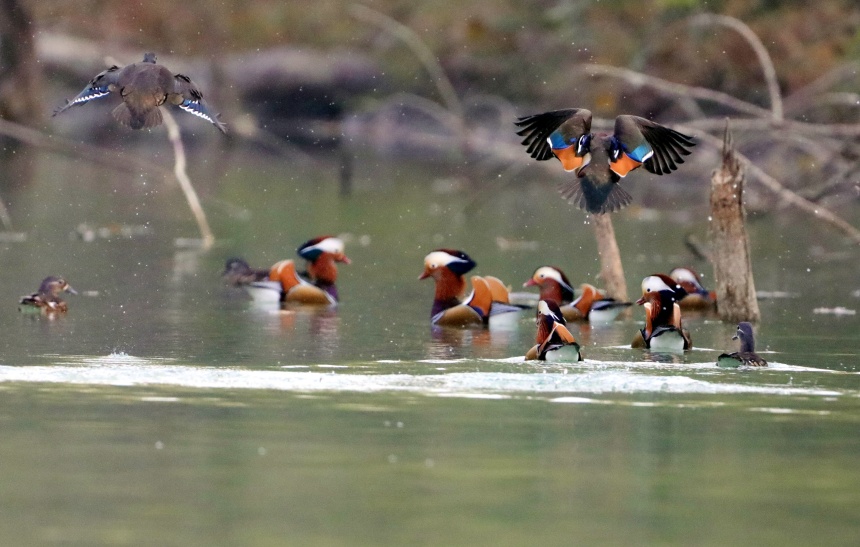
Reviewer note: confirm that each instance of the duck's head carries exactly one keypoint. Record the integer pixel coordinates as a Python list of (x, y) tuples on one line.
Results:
[(332, 246), (236, 266), (549, 309), (149, 57), (688, 279), (744, 332), (54, 285), (660, 284), (441, 260), (548, 274), (745, 335)]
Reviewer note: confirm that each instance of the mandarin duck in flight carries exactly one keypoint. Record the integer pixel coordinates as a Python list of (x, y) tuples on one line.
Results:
[(698, 297), (663, 329), (592, 304), (600, 161), (47, 298), (144, 87), (284, 283), (489, 296), (552, 334), (747, 355)]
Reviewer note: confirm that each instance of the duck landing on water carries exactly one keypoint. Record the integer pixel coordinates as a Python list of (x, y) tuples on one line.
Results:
[(601, 160), (144, 87)]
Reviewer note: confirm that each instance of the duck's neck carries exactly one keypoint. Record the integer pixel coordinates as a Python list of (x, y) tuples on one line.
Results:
[(449, 290), (747, 345), (323, 270), (662, 313), (544, 329), (551, 289)]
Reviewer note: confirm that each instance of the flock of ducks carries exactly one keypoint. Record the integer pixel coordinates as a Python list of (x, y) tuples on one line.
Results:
[(663, 298), (599, 161)]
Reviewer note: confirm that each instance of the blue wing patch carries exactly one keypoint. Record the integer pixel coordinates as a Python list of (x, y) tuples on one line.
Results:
[(641, 153), (556, 140), (99, 87)]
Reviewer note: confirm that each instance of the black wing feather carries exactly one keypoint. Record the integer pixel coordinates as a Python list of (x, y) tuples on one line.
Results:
[(536, 129), (669, 146)]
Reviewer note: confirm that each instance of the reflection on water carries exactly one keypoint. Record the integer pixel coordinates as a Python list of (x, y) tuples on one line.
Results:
[(458, 343)]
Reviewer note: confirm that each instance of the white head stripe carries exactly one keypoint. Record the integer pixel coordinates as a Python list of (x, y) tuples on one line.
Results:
[(333, 245), (550, 273), (543, 309), (683, 274), (441, 258), (653, 283)]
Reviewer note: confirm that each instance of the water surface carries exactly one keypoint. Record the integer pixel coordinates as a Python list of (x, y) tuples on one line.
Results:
[(165, 408)]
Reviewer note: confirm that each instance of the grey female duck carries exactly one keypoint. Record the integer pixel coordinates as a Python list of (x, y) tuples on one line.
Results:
[(47, 298), (747, 355)]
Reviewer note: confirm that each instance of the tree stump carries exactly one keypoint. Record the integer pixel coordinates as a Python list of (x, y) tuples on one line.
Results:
[(611, 271), (730, 249)]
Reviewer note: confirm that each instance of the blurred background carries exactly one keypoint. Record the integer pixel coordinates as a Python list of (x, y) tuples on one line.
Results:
[(164, 409), (402, 78)]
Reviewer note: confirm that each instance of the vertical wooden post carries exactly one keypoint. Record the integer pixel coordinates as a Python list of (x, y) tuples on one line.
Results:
[(730, 252), (611, 271)]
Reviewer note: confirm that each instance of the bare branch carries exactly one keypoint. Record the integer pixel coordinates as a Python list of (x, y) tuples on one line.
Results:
[(427, 58), (119, 161), (826, 130), (175, 138), (803, 97), (764, 59), (638, 79)]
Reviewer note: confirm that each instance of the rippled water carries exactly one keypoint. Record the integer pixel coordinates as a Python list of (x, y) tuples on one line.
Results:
[(165, 408)]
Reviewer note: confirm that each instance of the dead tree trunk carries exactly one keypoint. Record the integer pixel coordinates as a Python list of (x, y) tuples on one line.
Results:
[(730, 249), (611, 271), (19, 69)]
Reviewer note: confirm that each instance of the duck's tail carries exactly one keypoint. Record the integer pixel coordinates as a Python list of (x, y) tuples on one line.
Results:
[(150, 117)]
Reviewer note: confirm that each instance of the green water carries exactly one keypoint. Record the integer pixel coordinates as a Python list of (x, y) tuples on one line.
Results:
[(165, 409)]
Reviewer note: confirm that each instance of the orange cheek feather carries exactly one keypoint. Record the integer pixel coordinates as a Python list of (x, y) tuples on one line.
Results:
[(624, 165), (569, 160)]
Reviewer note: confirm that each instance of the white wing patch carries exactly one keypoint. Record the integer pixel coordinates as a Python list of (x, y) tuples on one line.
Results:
[(191, 110), (94, 94)]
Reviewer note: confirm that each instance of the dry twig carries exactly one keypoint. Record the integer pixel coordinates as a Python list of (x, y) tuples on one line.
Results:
[(760, 51), (181, 174)]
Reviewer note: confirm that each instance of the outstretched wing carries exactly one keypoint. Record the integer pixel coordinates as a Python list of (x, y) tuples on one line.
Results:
[(571, 124), (187, 97), (659, 148), (99, 87)]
